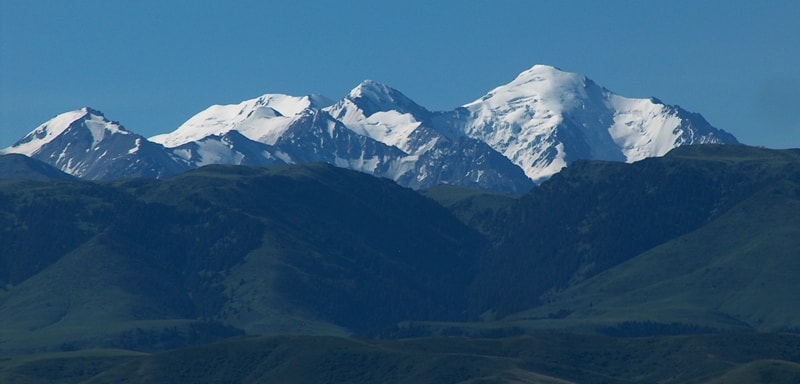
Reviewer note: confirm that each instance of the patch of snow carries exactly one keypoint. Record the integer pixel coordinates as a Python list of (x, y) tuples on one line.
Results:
[(100, 128), (283, 156), (136, 146)]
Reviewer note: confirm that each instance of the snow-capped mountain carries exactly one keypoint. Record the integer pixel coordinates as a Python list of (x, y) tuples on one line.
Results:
[(278, 128), (374, 129), (85, 144), (434, 153), (263, 119), (381, 113), (274, 129), (517, 134), (546, 118)]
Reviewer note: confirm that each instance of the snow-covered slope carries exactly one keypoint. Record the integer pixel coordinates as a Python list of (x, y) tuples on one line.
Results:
[(47, 132), (547, 118), (263, 119), (84, 143), (229, 148)]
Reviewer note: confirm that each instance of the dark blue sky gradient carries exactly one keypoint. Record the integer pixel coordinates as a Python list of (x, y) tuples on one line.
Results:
[(153, 64)]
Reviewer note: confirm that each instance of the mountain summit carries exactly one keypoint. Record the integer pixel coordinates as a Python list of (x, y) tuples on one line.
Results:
[(85, 144), (372, 97), (546, 118), (517, 134)]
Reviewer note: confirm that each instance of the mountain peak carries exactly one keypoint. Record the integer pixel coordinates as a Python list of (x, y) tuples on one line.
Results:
[(545, 77), (47, 132), (86, 118), (544, 68), (92, 111), (546, 118), (262, 119), (373, 90), (540, 83), (371, 97)]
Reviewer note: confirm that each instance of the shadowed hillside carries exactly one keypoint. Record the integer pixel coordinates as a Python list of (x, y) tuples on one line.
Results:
[(555, 358), (14, 166), (700, 241), (593, 216), (145, 264)]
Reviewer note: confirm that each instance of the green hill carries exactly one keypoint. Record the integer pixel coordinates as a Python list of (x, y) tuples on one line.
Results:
[(594, 216), (701, 241), (762, 372), (149, 264), (734, 273), (20, 167), (478, 209), (552, 358)]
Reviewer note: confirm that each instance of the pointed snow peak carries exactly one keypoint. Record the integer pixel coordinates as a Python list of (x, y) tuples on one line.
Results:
[(376, 93), (85, 118), (548, 87), (546, 79), (371, 97), (539, 73), (542, 69), (372, 89), (47, 132)]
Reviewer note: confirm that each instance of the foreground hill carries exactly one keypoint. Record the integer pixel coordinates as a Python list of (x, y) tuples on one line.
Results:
[(701, 240), (15, 166), (301, 249), (595, 216), (554, 358), (733, 273)]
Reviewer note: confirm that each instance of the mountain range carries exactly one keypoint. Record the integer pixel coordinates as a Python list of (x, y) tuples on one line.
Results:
[(516, 135)]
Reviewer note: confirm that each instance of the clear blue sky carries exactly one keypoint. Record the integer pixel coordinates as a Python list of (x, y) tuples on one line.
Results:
[(153, 64)]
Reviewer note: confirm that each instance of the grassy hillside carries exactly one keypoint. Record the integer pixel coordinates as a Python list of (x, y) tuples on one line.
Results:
[(553, 358), (353, 249), (701, 241), (21, 167), (593, 216), (478, 209), (148, 264), (761, 372), (735, 272)]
